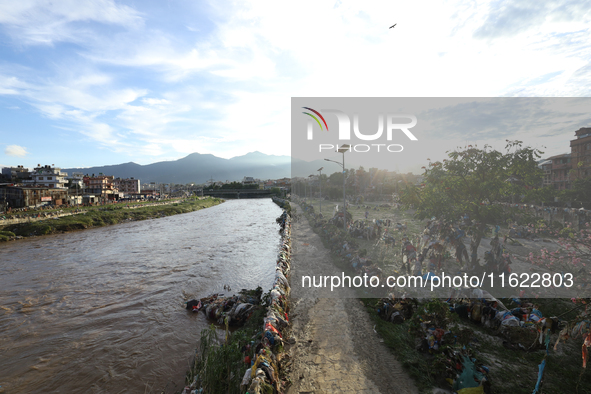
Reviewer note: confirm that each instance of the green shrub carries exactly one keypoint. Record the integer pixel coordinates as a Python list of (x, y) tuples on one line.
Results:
[(44, 230), (567, 232)]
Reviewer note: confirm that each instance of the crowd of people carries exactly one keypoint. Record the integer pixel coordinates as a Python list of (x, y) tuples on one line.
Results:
[(441, 246)]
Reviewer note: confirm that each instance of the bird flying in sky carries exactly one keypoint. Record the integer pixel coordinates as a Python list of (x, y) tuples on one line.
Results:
[(393, 25)]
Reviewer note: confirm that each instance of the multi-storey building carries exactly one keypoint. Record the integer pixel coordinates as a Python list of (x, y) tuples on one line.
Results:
[(249, 181), (77, 179), (101, 185), (17, 173), (31, 196), (127, 186), (581, 154), (546, 167), (49, 176), (560, 171)]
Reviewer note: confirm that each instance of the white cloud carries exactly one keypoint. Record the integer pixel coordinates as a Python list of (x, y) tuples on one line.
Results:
[(11, 85), (346, 49), (42, 22), (16, 151), (508, 19), (225, 86), (156, 102)]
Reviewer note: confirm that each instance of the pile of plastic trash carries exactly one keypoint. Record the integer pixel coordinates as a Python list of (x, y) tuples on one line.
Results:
[(236, 309), (396, 309), (263, 375), (265, 354), (524, 327), (454, 362)]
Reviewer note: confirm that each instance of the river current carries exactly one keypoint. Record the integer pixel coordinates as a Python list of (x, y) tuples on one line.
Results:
[(101, 310)]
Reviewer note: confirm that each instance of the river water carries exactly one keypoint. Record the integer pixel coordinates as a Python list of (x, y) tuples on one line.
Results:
[(100, 310)]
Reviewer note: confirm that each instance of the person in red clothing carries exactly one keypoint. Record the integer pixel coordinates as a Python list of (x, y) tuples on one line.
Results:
[(409, 252)]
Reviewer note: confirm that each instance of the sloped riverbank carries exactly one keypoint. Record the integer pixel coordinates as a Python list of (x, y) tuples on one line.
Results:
[(103, 216)]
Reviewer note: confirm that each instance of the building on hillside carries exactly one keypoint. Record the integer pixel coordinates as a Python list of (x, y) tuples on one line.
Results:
[(581, 154), (127, 186), (561, 166), (48, 176)]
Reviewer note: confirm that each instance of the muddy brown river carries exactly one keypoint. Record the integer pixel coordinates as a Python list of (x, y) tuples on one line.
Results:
[(100, 310)]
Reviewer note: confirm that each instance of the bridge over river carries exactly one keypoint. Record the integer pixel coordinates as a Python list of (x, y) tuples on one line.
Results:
[(237, 193)]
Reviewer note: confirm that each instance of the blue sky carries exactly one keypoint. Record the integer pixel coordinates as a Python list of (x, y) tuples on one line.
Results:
[(95, 82)]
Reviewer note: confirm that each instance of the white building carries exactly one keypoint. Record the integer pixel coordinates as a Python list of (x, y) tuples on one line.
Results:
[(77, 179), (49, 176)]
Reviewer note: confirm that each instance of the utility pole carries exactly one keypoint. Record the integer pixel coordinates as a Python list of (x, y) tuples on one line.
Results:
[(320, 182), (342, 150)]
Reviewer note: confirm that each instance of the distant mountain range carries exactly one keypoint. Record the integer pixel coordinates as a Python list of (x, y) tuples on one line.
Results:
[(199, 168)]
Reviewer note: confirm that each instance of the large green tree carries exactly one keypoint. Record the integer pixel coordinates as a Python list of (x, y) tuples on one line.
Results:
[(473, 181), (580, 193)]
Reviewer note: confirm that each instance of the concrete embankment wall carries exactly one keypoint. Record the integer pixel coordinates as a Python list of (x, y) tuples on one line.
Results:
[(277, 320)]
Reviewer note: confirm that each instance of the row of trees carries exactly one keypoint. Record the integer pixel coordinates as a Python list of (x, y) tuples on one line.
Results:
[(234, 186), (475, 181), (358, 183)]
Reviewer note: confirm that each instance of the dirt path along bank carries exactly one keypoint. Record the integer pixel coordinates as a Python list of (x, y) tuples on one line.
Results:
[(336, 348)]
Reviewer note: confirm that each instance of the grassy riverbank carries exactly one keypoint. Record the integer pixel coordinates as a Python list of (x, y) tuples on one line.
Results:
[(507, 352), (104, 216)]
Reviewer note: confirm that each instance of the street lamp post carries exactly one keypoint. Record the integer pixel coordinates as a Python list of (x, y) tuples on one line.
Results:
[(320, 182), (342, 150)]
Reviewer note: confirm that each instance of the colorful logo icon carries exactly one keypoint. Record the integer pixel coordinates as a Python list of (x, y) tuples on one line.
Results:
[(315, 118)]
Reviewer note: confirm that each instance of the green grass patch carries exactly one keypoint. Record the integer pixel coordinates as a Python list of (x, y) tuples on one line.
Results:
[(219, 361), (398, 337)]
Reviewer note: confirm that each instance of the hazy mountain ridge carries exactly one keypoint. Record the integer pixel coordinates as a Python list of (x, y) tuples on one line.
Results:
[(199, 168)]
